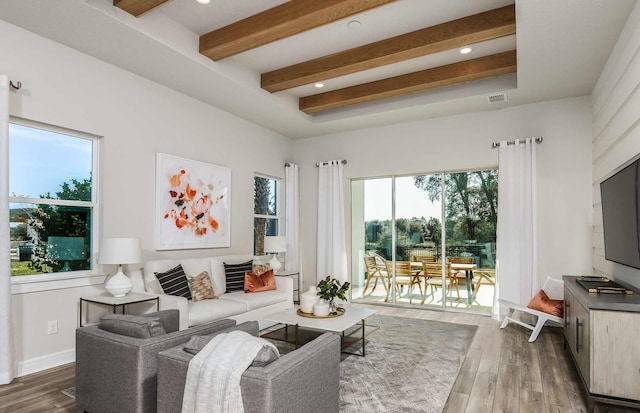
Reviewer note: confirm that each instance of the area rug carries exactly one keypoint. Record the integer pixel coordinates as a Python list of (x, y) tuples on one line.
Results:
[(410, 366)]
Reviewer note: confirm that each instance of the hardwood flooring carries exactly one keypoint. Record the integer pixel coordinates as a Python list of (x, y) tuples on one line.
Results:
[(501, 373)]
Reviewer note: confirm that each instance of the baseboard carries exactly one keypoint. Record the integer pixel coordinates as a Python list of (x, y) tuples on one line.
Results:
[(46, 362)]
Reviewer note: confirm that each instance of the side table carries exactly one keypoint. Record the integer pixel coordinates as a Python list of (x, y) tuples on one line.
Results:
[(115, 302), (295, 276)]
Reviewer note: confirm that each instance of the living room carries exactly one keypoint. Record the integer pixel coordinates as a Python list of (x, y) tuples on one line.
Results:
[(587, 136)]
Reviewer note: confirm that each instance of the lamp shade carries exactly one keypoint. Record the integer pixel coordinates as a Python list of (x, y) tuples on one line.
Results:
[(121, 251), (275, 244)]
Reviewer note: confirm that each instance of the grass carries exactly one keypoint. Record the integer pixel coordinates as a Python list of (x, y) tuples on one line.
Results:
[(21, 268)]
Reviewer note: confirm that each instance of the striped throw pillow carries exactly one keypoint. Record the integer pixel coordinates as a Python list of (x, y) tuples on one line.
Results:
[(174, 282), (234, 274)]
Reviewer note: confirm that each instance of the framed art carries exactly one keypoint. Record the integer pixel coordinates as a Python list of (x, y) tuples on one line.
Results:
[(192, 204)]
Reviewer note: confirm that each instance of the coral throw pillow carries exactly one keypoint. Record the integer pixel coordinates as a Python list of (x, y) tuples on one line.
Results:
[(542, 302), (255, 283)]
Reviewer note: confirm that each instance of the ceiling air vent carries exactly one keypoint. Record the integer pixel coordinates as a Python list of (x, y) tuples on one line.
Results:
[(497, 97)]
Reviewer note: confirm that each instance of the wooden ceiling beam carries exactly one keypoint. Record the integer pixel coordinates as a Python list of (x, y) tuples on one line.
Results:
[(138, 7), (446, 36), (287, 19), (456, 73)]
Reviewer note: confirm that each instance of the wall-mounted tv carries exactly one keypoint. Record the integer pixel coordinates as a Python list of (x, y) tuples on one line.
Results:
[(620, 215)]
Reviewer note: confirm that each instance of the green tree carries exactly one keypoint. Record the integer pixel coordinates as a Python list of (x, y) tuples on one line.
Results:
[(261, 206), (61, 221)]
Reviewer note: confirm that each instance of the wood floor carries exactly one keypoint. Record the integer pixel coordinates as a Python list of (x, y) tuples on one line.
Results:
[(501, 373)]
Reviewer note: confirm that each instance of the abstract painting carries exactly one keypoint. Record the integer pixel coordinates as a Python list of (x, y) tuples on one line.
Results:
[(192, 204)]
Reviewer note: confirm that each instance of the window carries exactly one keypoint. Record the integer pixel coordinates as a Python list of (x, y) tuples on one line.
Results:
[(266, 211), (53, 202)]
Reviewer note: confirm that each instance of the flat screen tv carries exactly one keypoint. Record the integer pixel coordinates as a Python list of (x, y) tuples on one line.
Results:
[(620, 215)]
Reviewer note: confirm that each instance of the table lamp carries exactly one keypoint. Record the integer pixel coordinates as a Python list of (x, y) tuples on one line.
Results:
[(120, 251), (275, 245)]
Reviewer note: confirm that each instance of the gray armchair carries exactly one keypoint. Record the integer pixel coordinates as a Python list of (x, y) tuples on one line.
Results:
[(117, 373), (305, 380)]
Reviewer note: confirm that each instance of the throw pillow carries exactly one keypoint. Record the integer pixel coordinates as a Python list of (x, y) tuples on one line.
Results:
[(132, 326), (266, 355), (200, 286), (542, 302), (234, 274), (174, 282), (259, 269), (255, 283), (197, 343)]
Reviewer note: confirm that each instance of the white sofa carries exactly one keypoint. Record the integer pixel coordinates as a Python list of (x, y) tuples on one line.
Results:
[(236, 305)]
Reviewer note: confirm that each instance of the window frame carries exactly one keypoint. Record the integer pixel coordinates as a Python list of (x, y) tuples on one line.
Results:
[(279, 204), (60, 280)]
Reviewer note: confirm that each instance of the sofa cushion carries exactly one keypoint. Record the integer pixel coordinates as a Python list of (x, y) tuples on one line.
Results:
[(209, 310), (254, 283), (234, 274), (256, 300), (174, 282), (200, 286), (132, 326)]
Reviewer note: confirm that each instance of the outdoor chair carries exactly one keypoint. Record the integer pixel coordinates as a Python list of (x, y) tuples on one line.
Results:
[(376, 271), (483, 277), (555, 291), (432, 273), (404, 276)]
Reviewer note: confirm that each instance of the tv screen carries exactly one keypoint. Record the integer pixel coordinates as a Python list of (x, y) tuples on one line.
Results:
[(619, 196)]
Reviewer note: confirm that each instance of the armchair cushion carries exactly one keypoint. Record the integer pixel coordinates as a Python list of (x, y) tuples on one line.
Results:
[(132, 326), (542, 302)]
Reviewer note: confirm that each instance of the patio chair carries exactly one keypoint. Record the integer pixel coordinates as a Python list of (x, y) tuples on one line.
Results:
[(484, 277), (432, 273), (555, 290), (404, 276), (376, 271)]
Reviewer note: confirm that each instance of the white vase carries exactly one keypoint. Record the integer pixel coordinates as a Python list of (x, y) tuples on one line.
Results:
[(308, 300), (119, 285), (321, 309)]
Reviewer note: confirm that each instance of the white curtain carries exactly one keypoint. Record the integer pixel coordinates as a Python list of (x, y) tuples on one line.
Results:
[(292, 214), (517, 233), (332, 250), (7, 358)]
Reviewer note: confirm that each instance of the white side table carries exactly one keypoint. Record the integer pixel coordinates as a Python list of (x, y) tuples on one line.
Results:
[(295, 276), (114, 303)]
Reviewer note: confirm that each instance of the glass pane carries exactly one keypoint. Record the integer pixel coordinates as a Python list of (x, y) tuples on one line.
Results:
[(471, 217), (264, 191), (263, 227), (371, 235), (47, 238), (418, 238), (49, 165)]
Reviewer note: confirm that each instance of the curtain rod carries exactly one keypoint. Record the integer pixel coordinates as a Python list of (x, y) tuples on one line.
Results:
[(16, 85), (497, 144), (344, 162)]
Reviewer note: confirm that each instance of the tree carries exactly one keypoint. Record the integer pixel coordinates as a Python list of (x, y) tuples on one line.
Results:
[(471, 197), (261, 204), (61, 221)]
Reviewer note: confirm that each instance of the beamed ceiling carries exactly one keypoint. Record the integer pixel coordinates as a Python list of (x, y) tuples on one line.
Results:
[(260, 59), (297, 16)]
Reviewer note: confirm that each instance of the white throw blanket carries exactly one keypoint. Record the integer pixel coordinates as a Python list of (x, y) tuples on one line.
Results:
[(213, 377)]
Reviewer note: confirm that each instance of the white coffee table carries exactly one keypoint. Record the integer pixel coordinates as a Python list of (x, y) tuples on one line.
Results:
[(346, 325)]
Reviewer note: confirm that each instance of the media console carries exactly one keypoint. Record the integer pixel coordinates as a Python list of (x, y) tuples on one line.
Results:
[(602, 334)]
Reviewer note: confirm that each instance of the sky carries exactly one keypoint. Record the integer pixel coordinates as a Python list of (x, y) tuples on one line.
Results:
[(41, 160), (410, 201)]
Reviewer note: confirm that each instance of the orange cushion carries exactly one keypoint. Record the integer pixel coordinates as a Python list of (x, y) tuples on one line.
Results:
[(542, 302), (255, 283)]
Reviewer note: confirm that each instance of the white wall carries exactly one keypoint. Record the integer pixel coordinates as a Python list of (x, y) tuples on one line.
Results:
[(137, 119), (464, 142), (616, 132)]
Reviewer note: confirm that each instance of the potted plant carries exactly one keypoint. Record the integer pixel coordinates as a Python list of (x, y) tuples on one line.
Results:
[(329, 289)]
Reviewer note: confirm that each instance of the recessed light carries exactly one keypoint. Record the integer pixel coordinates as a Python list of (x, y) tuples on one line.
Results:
[(203, 1), (465, 50), (354, 24), (319, 85)]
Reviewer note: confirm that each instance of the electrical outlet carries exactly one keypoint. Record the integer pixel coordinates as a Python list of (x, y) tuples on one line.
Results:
[(52, 327)]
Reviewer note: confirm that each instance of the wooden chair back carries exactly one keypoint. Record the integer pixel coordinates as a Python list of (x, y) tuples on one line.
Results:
[(460, 260), (425, 258), (433, 270), (403, 268)]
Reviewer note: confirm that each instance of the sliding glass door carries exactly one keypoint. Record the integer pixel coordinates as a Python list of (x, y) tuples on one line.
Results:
[(400, 226)]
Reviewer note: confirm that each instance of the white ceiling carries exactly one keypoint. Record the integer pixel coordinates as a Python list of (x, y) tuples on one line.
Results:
[(562, 46)]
